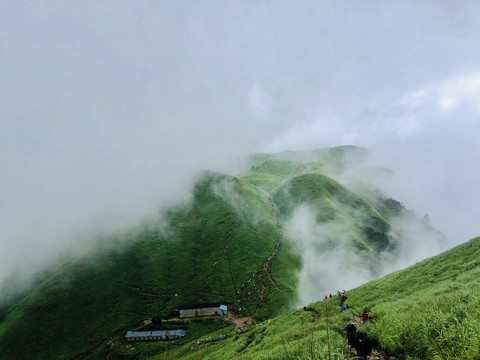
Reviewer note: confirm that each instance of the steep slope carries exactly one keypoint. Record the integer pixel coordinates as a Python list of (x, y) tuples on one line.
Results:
[(427, 311), (230, 243), (199, 252)]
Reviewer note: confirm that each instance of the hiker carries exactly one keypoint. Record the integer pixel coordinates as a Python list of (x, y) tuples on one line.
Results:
[(359, 340), (326, 297), (351, 330), (364, 316), (363, 345), (343, 307)]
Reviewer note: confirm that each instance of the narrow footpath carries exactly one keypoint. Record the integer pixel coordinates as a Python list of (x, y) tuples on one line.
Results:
[(377, 352), (254, 291)]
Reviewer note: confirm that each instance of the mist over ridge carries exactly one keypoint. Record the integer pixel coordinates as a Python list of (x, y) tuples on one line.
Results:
[(326, 232), (277, 235), (108, 110)]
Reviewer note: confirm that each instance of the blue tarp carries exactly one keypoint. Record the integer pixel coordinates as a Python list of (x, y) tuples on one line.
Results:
[(223, 309), (181, 332)]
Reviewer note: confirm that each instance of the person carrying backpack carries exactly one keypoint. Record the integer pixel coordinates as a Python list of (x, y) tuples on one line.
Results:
[(358, 340), (351, 330), (364, 316), (363, 345)]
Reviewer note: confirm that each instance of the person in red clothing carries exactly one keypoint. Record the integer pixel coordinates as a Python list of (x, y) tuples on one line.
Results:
[(364, 316)]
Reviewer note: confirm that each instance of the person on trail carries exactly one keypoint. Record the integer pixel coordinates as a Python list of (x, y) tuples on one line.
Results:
[(359, 340), (351, 330), (364, 345), (343, 307), (364, 316)]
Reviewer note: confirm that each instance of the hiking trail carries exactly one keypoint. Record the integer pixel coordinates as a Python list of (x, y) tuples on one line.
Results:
[(377, 352), (256, 289)]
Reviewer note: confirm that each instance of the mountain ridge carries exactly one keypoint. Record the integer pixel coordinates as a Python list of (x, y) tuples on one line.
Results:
[(203, 250)]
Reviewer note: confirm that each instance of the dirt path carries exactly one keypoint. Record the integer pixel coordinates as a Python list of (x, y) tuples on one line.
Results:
[(254, 291), (239, 322), (267, 266), (377, 352)]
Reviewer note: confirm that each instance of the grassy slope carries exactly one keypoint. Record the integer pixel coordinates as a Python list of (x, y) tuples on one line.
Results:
[(428, 311), (292, 184), (205, 252)]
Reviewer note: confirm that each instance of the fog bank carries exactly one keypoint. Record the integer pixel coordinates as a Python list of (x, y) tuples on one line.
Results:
[(107, 109)]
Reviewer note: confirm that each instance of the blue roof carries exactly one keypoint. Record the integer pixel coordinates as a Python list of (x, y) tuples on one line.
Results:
[(223, 307), (159, 333), (162, 333), (131, 334)]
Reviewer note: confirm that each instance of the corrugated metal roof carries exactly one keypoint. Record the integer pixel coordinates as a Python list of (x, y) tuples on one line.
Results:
[(131, 334), (159, 333), (162, 333)]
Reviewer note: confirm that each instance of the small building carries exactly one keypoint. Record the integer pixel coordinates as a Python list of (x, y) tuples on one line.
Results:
[(199, 310), (223, 310), (155, 335)]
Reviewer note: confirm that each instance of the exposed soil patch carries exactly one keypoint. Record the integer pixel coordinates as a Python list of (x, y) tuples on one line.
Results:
[(239, 322)]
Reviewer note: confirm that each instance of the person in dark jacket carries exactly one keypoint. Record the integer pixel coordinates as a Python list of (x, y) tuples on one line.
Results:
[(351, 330), (358, 340), (363, 345)]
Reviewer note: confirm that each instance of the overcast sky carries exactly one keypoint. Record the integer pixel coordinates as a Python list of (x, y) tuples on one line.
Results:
[(108, 107)]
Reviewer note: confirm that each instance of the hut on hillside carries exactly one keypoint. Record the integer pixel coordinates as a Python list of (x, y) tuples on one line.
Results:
[(199, 310), (155, 335)]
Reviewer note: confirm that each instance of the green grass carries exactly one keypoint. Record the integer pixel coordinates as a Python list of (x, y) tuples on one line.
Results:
[(199, 252), (121, 349), (203, 251), (291, 336), (428, 311)]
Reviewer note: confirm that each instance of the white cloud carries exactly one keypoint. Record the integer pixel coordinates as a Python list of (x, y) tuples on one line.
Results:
[(259, 102), (330, 262), (461, 90), (107, 109), (448, 95)]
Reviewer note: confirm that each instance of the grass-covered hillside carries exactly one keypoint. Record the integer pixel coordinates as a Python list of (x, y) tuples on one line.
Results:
[(430, 310), (201, 251)]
